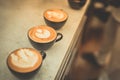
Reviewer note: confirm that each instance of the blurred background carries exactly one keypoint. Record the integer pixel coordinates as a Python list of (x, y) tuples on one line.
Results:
[(99, 55)]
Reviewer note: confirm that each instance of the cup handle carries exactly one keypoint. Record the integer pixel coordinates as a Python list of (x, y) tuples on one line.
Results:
[(43, 54), (59, 37)]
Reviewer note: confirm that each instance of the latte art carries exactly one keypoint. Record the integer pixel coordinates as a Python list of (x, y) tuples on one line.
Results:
[(24, 58), (42, 33), (55, 15)]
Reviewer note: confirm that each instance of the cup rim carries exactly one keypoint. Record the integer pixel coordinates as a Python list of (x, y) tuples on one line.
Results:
[(63, 19), (43, 41), (24, 70)]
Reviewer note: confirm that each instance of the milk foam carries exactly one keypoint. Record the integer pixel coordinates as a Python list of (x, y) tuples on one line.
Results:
[(24, 58), (53, 14), (42, 33)]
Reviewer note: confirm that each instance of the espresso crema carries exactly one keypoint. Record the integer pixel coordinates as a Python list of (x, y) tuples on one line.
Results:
[(42, 34), (24, 60), (55, 15)]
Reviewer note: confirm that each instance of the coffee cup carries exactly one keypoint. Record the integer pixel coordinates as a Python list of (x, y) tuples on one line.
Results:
[(43, 37), (55, 18), (76, 4), (25, 62)]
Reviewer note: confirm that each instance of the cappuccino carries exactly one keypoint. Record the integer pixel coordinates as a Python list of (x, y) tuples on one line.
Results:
[(55, 18), (42, 34), (24, 60), (55, 15), (43, 37)]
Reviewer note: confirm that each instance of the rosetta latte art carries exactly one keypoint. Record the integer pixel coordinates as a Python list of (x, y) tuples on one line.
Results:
[(24, 58)]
